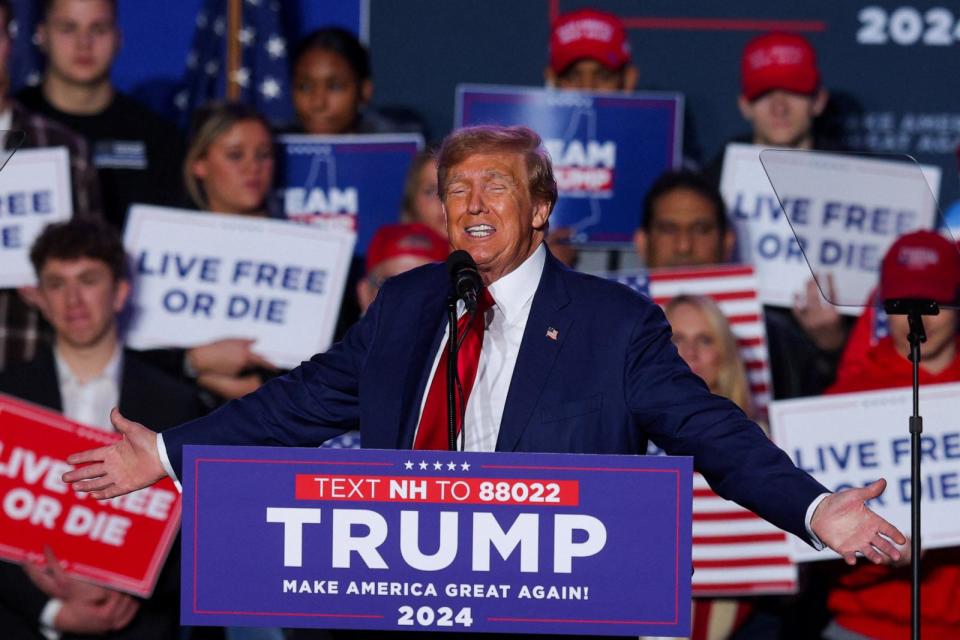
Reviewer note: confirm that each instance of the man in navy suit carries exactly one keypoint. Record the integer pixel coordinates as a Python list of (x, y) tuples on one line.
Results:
[(567, 362)]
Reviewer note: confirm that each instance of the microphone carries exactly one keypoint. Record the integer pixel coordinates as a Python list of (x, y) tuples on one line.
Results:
[(464, 278)]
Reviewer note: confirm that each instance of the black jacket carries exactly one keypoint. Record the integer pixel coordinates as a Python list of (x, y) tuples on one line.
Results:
[(147, 395)]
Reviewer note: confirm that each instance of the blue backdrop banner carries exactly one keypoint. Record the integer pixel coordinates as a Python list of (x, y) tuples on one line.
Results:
[(607, 149), (352, 182), (437, 540)]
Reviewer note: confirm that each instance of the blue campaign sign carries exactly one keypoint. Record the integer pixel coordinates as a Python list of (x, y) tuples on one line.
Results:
[(437, 541), (352, 182), (607, 148)]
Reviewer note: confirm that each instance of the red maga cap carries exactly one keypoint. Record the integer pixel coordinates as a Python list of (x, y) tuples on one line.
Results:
[(414, 239), (774, 61), (922, 265), (588, 34)]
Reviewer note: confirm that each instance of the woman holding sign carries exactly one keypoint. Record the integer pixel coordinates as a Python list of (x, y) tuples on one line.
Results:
[(228, 169)]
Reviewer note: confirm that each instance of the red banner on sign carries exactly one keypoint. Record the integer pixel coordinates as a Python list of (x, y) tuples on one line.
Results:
[(119, 543)]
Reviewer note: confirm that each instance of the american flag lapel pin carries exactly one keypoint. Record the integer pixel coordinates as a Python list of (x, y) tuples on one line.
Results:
[(552, 333)]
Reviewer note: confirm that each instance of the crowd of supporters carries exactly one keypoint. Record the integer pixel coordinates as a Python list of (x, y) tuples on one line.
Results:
[(61, 343)]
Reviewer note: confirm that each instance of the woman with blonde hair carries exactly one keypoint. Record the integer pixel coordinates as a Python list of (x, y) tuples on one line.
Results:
[(705, 341), (228, 169), (229, 163)]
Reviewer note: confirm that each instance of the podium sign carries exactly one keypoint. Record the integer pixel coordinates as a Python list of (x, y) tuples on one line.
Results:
[(437, 541)]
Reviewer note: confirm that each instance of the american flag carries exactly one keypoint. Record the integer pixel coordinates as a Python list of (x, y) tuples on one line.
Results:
[(26, 62), (735, 552), (262, 75)]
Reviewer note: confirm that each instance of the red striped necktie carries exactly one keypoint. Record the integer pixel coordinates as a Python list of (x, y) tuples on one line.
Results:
[(432, 432)]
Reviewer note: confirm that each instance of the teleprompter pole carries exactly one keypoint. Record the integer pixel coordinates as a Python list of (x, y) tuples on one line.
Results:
[(914, 310)]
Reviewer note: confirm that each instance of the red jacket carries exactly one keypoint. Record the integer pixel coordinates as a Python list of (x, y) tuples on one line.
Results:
[(874, 600)]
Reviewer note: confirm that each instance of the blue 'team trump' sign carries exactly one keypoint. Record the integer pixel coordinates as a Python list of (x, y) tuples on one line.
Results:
[(437, 541), (351, 182), (607, 148)]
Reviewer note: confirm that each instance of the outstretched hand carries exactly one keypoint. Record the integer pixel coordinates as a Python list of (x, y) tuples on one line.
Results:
[(847, 525), (130, 464)]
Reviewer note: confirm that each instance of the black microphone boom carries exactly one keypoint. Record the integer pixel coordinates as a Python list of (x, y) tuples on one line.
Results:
[(464, 278)]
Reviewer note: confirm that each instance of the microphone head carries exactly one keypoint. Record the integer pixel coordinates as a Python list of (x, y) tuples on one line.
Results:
[(459, 260), (464, 277)]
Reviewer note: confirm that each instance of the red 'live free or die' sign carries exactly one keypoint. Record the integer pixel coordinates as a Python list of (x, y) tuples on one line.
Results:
[(119, 543)]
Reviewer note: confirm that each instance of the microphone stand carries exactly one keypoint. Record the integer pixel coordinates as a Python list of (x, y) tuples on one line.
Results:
[(452, 373), (914, 310)]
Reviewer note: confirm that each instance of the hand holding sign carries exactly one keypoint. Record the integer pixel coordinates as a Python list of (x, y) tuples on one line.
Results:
[(229, 357), (818, 317), (87, 608), (844, 523), (130, 464)]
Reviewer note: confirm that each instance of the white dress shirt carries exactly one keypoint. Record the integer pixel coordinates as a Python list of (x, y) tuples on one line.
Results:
[(505, 322), (90, 402)]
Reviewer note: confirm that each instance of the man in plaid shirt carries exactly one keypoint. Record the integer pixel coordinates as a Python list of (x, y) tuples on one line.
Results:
[(20, 323)]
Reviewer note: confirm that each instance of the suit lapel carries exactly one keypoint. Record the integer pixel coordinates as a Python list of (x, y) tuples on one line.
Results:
[(538, 353), (42, 381)]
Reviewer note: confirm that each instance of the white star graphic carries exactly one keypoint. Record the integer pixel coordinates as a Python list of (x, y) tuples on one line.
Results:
[(270, 88), (13, 30), (255, 3), (408, 465), (202, 20), (33, 79), (211, 67), (276, 46), (452, 466), (438, 465), (192, 60), (423, 466), (242, 77), (246, 36), (465, 466), (181, 100), (219, 26)]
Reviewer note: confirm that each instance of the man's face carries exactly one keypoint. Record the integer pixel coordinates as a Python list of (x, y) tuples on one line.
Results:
[(369, 287), (490, 213), (81, 40), (783, 119), (590, 75), (81, 299), (683, 232), (941, 331)]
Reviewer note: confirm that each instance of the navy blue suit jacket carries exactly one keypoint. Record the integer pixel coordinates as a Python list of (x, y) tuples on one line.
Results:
[(610, 381)]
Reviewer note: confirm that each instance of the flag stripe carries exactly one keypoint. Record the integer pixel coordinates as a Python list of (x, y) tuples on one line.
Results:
[(724, 563)]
